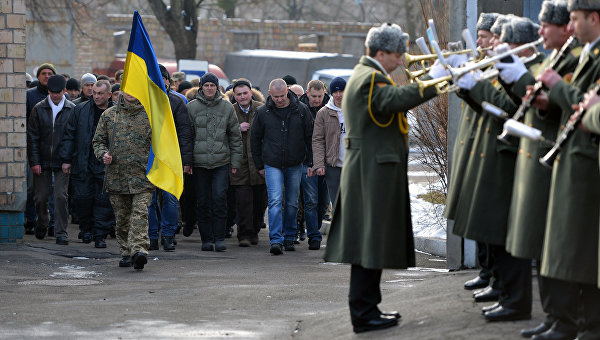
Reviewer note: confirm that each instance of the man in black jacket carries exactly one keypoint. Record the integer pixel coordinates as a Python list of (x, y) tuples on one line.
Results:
[(91, 204), (35, 95), (281, 141), (165, 219), (44, 135)]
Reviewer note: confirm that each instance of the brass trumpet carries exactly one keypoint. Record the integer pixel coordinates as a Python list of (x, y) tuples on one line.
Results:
[(457, 72), (422, 58)]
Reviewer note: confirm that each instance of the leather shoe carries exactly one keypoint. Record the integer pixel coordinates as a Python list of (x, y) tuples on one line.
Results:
[(555, 333), (86, 237), (506, 314), (489, 294), (168, 243), (288, 245), (391, 314), (40, 232), (254, 241), (374, 324), (153, 244), (489, 308), (125, 262), (62, 240), (187, 230), (207, 246), (99, 243), (476, 283), (539, 329), (276, 249), (139, 260), (244, 243), (314, 245)]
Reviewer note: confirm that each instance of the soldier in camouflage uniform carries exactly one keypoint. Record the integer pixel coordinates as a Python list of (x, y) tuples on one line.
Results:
[(122, 142)]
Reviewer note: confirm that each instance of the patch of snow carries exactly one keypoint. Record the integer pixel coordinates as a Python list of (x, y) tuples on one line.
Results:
[(427, 218)]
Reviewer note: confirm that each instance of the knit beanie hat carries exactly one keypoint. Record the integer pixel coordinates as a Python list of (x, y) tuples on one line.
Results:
[(209, 77), (88, 78), (289, 80), (387, 37), (583, 5), (241, 82), (73, 84), (337, 84), (44, 66), (554, 12), (520, 31), (486, 20), (184, 85)]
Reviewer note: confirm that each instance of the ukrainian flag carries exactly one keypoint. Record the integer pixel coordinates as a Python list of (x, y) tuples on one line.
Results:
[(142, 79)]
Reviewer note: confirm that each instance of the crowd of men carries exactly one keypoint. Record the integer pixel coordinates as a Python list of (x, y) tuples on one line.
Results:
[(88, 147), (237, 147)]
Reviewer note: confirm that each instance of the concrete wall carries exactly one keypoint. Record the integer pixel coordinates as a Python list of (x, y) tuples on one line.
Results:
[(12, 105)]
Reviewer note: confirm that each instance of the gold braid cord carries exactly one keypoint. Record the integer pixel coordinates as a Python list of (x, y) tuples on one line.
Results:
[(402, 121)]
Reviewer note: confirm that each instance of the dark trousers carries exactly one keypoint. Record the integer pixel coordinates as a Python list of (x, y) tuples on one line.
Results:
[(187, 202), (231, 207), (250, 203), (365, 293), (515, 280), (544, 294), (92, 206), (485, 261), (211, 195), (44, 190)]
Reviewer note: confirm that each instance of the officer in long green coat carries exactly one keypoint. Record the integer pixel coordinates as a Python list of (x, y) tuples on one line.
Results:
[(490, 177), (570, 252), (371, 226), (460, 157)]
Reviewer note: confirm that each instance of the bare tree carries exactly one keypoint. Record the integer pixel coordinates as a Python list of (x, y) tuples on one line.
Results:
[(180, 22)]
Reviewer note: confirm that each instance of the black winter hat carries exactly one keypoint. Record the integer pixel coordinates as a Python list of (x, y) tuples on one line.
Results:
[(184, 85), (56, 83), (337, 84), (289, 80), (73, 84), (209, 77)]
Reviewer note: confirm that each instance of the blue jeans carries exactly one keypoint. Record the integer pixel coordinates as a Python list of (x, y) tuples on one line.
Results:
[(282, 220), (310, 192), (167, 215)]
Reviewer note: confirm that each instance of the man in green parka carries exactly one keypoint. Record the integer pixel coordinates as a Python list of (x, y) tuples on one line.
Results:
[(371, 226), (570, 252)]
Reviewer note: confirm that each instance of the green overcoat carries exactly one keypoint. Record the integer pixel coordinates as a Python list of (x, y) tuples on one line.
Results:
[(571, 242), (591, 120), (531, 187), (371, 224), (482, 216)]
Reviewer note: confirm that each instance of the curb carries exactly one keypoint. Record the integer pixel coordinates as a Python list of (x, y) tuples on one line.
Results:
[(430, 245)]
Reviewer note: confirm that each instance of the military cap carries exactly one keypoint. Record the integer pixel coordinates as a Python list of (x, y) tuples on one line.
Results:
[(178, 76), (387, 37), (519, 31), (584, 5), (486, 20), (554, 12)]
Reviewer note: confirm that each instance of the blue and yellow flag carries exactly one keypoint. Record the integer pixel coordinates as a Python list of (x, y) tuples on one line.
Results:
[(142, 79)]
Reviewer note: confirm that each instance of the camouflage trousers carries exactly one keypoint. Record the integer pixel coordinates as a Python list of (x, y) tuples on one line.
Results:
[(131, 215)]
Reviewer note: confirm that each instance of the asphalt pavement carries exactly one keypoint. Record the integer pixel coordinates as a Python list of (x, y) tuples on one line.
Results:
[(48, 291)]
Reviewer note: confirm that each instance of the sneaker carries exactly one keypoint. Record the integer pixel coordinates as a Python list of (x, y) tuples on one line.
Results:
[(139, 260), (244, 243), (125, 262), (314, 244), (276, 249), (288, 245)]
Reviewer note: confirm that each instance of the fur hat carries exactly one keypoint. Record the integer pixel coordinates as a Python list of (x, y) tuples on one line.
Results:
[(88, 78), (583, 5), (209, 77), (337, 84), (554, 12), (43, 66), (520, 31), (486, 21), (56, 83), (501, 20), (387, 37)]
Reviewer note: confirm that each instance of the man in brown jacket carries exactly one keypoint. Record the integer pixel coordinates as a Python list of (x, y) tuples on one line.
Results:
[(328, 134), (248, 185)]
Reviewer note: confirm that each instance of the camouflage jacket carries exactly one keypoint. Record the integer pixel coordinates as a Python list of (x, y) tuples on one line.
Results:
[(124, 130)]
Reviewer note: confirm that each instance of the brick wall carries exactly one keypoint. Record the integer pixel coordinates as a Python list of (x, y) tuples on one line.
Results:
[(12, 105)]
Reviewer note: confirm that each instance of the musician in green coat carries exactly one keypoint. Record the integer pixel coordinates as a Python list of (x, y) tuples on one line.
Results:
[(483, 215), (531, 186), (570, 252), (371, 226)]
